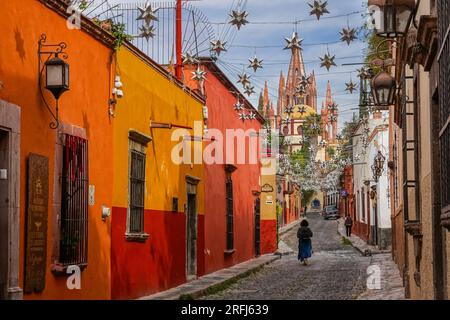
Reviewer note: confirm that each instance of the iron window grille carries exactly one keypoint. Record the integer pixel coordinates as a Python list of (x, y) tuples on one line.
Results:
[(137, 191), (230, 214), (74, 202), (444, 100)]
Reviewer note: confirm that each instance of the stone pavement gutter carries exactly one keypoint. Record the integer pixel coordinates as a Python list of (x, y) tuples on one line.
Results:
[(213, 282), (358, 243)]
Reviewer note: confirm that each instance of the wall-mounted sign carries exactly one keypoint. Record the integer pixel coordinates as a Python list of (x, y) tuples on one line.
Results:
[(267, 188), (269, 200), (37, 216)]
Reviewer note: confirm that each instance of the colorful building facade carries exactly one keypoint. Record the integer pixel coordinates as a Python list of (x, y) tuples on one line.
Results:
[(49, 172), (157, 224)]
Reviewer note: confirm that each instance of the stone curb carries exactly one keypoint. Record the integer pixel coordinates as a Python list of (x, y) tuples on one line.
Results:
[(203, 285), (368, 251), (289, 227)]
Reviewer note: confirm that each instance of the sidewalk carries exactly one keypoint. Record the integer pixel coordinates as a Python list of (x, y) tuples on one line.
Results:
[(283, 248), (209, 283), (358, 243), (391, 284)]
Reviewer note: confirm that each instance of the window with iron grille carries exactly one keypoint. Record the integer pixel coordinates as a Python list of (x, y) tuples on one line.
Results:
[(444, 99), (230, 214), (74, 202), (136, 191)]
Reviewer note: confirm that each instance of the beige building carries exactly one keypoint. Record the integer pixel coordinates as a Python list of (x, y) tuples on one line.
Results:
[(420, 153)]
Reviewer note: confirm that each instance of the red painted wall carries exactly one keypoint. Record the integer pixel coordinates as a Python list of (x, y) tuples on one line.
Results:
[(222, 116), (268, 234), (141, 269)]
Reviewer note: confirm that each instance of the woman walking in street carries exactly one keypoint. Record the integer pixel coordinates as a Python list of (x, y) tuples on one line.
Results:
[(304, 235)]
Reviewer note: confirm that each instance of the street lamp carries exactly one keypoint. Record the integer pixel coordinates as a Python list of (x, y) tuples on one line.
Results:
[(56, 74), (378, 166), (394, 17), (384, 88)]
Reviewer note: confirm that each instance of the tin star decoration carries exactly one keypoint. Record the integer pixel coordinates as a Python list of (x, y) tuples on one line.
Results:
[(218, 46), (328, 61), (255, 63), (363, 73), (147, 32), (190, 59), (302, 109), (147, 14), (289, 109), (351, 86), (294, 42), (323, 144), (348, 35), (333, 107), (238, 18), (199, 74), (249, 90), (318, 8), (244, 79), (239, 106), (242, 116), (304, 81), (332, 118), (252, 115), (300, 90)]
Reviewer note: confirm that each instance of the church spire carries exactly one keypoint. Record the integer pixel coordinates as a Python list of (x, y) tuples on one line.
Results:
[(266, 99), (296, 70), (329, 97), (281, 95)]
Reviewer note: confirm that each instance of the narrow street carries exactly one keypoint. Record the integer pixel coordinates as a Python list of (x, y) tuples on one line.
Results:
[(335, 272)]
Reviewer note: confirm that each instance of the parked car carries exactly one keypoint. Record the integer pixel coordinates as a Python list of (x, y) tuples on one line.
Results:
[(331, 212)]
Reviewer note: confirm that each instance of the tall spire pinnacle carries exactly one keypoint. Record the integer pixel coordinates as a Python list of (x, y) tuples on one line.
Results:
[(281, 95), (266, 99), (329, 98), (296, 70)]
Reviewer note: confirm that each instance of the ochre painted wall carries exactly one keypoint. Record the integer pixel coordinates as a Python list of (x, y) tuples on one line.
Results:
[(85, 105), (140, 269), (268, 206)]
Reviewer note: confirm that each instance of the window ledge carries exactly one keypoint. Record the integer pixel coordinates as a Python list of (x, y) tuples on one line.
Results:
[(59, 269), (137, 237), (229, 252)]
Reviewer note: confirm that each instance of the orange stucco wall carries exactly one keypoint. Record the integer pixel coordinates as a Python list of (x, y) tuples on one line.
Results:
[(85, 105)]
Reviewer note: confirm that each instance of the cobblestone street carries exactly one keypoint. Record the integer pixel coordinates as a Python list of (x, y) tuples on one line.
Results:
[(335, 272)]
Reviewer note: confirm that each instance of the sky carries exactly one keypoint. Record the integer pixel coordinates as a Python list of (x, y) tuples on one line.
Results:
[(271, 21)]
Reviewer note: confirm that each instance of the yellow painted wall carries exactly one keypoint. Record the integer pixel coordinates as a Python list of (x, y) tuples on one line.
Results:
[(149, 95), (268, 211)]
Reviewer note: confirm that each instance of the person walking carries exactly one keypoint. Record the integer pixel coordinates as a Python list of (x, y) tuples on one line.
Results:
[(304, 235), (348, 225)]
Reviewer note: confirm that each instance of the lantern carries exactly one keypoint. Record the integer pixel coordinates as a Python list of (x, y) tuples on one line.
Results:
[(384, 88), (392, 17), (57, 76)]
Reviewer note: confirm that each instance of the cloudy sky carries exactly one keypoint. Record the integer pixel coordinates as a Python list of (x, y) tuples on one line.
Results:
[(271, 21)]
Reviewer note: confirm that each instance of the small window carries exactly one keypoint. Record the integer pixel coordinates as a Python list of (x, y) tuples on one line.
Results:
[(74, 202), (136, 189)]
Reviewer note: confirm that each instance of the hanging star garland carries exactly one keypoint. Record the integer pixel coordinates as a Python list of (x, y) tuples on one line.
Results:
[(333, 107), (294, 42), (332, 118), (238, 18), (218, 46), (249, 90), (304, 81), (244, 79), (328, 61), (189, 59), (348, 35), (318, 8), (252, 115), (255, 63), (147, 32), (302, 109), (363, 73), (242, 116), (300, 90), (351, 86), (199, 74), (238, 106), (323, 144), (289, 109), (147, 14)]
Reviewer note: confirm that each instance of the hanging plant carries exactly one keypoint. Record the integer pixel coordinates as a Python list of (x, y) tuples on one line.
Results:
[(119, 32)]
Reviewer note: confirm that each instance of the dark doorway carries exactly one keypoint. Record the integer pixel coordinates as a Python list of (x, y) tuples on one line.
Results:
[(191, 237), (258, 227), (4, 211)]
